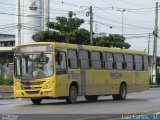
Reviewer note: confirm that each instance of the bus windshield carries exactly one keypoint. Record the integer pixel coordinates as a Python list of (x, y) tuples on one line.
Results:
[(33, 66)]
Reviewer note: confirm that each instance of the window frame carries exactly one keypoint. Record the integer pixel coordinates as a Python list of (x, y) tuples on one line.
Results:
[(138, 62), (76, 59), (89, 59), (104, 55), (145, 66), (66, 70), (101, 60), (129, 62), (115, 62)]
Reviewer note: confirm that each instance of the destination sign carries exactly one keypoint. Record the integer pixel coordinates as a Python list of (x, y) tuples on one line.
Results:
[(33, 48)]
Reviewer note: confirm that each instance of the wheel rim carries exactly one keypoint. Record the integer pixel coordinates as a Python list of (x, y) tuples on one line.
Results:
[(73, 94), (123, 92)]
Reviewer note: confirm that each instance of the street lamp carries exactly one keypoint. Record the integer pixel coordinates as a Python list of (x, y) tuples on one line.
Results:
[(123, 10)]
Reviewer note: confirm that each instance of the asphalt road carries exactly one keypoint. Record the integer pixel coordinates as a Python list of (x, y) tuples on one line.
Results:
[(147, 102)]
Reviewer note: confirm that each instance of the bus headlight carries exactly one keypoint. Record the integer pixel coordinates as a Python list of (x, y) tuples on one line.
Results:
[(17, 87), (48, 85)]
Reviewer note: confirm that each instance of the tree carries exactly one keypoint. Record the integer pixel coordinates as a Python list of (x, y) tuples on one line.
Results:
[(64, 30), (68, 30), (112, 41)]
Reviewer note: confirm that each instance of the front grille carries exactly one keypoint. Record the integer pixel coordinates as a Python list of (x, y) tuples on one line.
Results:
[(32, 92), (37, 83), (34, 83), (37, 87)]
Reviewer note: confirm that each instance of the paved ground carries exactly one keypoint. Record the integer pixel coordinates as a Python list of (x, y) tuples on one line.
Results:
[(6, 92), (4, 95), (6, 89), (147, 102)]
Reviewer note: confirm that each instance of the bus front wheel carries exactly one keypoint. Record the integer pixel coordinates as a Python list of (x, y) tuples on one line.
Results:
[(122, 93), (72, 98), (36, 101)]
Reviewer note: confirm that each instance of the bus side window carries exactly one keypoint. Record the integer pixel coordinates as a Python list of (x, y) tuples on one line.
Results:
[(84, 59), (138, 62), (96, 60), (72, 59), (129, 61), (108, 61), (119, 60), (145, 64)]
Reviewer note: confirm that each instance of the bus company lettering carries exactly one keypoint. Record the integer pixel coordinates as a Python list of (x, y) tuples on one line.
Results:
[(116, 75)]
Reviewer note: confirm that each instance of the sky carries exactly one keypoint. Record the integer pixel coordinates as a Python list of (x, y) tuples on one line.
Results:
[(138, 17)]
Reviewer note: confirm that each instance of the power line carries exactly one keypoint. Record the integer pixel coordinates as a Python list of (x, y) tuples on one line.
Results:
[(4, 1), (107, 2), (131, 3), (126, 24), (110, 26), (69, 4)]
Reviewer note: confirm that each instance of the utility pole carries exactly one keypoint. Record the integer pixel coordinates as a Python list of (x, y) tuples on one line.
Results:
[(47, 7), (155, 33), (123, 10), (96, 28), (149, 38), (91, 25), (19, 25), (123, 20)]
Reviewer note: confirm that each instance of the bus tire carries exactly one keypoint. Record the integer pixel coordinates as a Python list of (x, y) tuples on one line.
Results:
[(73, 92), (122, 93), (36, 101), (91, 98)]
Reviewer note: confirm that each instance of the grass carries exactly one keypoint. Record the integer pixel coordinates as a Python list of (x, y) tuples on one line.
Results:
[(6, 82)]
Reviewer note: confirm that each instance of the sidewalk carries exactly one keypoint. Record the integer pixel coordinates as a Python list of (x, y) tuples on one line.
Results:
[(6, 92)]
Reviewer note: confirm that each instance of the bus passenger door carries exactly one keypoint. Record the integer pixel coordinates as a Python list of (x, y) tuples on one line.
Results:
[(61, 73)]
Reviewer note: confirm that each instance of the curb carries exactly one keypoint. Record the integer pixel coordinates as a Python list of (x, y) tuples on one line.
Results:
[(6, 95), (154, 86), (4, 98), (6, 89)]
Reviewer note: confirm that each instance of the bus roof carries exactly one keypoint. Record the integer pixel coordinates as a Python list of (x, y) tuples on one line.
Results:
[(88, 47), (98, 48)]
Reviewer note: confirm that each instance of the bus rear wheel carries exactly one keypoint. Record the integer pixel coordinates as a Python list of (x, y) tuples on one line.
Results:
[(91, 98), (122, 93), (36, 101), (72, 98)]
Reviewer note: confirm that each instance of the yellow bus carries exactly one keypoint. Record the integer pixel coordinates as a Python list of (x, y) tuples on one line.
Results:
[(64, 71)]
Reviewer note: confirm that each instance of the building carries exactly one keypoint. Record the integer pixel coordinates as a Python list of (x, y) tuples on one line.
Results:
[(7, 43), (35, 15), (7, 40), (32, 14)]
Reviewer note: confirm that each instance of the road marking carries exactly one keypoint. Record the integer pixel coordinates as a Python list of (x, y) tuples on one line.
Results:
[(112, 117), (158, 113), (19, 99)]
